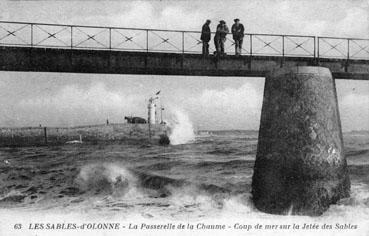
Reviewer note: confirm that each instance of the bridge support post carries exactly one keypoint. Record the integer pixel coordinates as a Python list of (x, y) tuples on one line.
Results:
[(300, 166)]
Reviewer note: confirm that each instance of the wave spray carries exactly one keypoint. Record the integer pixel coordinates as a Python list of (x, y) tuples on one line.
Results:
[(180, 128)]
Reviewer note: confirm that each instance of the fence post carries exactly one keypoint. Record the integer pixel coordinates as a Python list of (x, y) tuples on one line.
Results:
[(348, 55), (283, 46), (250, 61), (183, 46), (314, 51), (147, 40), (318, 53), (71, 36), (110, 38), (282, 62), (348, 49), (250, 44), (31, 35)]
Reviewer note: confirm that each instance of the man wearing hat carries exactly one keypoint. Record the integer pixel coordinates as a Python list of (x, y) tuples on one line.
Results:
[(220, 37), (238, 33), (205, 37)]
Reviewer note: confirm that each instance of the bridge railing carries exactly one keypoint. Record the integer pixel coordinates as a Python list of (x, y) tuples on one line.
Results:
[(343, 48), (175, 41)]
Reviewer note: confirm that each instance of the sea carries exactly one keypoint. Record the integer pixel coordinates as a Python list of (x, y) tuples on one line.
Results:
[(203, 177)]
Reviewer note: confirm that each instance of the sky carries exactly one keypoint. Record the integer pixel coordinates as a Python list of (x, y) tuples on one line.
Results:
[(62, 99)]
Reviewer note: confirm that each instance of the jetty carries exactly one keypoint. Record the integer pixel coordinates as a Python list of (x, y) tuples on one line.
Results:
[(90, 134)]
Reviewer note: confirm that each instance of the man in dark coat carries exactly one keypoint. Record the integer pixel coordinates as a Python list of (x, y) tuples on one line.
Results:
[(220, 37), (238, 32), (205, 38)]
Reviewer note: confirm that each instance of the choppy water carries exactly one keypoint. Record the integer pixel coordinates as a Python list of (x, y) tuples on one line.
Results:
[(208, 177)]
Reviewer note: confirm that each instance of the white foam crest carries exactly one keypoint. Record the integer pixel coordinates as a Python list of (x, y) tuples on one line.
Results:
[(107, 177), (189, 196), (10, 193)]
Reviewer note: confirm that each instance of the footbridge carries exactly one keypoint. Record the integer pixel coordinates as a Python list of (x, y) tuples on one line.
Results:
[(43, 47)]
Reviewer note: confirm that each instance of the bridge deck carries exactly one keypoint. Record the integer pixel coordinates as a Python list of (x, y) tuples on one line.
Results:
[(121, 62), (94, 49)]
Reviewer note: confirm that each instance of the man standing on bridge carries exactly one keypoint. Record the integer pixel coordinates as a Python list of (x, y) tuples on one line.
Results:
[(220, 37), (238, 33), (205, 38)]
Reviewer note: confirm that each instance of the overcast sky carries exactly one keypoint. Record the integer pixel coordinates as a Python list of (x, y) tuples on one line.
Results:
[(212, 103)]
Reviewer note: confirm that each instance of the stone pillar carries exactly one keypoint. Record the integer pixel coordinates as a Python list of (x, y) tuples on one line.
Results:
[(300, 166)]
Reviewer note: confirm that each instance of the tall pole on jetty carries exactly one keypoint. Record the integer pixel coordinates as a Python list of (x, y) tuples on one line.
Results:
[(149, 114), (45, 135), (149, 130), (161, 114), (300, 165)]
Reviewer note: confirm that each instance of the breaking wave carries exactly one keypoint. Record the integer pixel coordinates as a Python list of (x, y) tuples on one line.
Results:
[(106, 178)]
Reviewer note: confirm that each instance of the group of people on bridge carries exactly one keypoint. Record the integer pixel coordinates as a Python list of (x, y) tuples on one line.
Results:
[(221, 37)]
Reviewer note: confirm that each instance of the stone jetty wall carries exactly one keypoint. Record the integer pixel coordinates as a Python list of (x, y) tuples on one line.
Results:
[(29, 136)]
